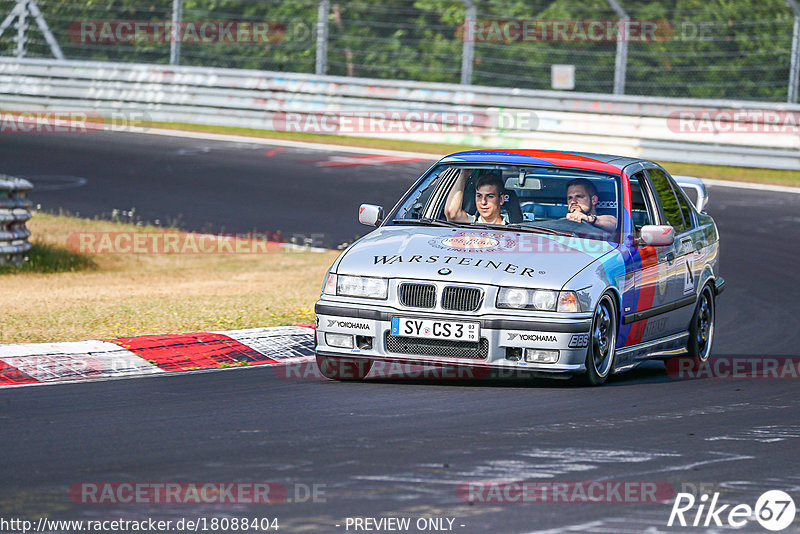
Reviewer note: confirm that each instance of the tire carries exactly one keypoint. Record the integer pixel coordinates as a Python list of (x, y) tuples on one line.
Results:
[(343, 368), (602, 343), (701, 329)]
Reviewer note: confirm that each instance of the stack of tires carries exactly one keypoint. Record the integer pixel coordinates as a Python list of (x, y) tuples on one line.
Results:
[(14, 213)]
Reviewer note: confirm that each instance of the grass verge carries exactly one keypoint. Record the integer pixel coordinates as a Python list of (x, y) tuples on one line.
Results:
[(716, 172), (48, 258), (71, 297)]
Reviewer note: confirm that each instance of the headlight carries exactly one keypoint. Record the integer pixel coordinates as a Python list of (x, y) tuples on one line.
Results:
[(537, 299), (510, 297), (544, 300), (362, 286)]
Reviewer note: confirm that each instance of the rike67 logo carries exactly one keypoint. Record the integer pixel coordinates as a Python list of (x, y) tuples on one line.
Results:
[(774, 510)]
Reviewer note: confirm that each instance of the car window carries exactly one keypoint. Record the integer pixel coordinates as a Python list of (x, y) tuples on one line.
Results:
[(670, 206), (535, 198), (642, 211), (417, 198), (683, 202)]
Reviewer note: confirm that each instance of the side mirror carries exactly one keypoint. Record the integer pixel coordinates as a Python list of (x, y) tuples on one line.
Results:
[(370, 215), (657, 236)]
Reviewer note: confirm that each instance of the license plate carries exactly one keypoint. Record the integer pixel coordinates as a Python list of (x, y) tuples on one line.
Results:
[(435, 329)]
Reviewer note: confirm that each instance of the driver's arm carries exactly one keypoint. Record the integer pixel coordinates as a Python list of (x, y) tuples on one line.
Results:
[(455, 198), (606, 222)]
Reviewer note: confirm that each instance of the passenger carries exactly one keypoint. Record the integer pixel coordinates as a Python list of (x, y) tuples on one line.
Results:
[(581, 205), (489, 196)]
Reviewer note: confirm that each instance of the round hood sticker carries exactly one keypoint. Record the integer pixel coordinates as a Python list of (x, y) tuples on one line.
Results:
[(475, 242)]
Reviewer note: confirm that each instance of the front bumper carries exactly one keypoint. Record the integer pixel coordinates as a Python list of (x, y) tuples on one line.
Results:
[(505, 336)]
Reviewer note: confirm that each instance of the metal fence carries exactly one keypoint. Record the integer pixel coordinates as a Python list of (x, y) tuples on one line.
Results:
[(14, 206), (746, 49)]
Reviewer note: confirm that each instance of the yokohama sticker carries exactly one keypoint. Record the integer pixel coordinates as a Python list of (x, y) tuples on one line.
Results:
[(350, 325), (526, 338)]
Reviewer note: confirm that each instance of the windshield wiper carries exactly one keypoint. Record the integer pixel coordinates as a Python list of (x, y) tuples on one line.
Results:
[(539, 229), (428, 222)]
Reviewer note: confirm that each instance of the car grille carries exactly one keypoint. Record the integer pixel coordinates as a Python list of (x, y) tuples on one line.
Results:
[(437, 347), (418, 295), (461, 298)]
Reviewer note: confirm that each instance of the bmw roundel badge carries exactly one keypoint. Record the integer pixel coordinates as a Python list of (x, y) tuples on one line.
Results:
[(444, 271)]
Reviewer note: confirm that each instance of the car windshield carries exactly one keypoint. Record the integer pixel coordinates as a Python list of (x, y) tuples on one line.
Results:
[(549, 200)]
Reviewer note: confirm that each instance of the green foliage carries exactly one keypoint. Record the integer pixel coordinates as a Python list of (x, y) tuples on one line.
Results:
[(706, 48)]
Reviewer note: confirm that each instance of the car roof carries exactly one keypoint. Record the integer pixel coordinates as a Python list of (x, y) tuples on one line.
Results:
[(573, 160)]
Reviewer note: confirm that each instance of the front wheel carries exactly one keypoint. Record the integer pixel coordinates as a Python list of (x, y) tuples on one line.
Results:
[(701, 331), (343, 368), (602, 343)]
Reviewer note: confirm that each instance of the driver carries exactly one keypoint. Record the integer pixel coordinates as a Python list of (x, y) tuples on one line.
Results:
[(489, 196), (581, 205)]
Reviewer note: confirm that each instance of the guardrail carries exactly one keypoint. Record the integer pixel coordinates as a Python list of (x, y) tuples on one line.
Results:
[(755, 134), (14, 206)]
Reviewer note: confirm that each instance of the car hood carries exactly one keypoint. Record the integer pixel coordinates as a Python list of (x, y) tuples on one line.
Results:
[(505, 258)]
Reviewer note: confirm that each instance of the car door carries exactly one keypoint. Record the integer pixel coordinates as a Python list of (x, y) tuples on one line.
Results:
[(689, 261), (650, 272), (677, 308)]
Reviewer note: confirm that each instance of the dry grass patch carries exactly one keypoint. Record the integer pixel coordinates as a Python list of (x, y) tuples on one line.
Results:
[(118, 295)]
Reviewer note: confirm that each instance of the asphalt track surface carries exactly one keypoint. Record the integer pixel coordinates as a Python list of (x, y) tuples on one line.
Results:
[(204, 185), (397, 448)]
